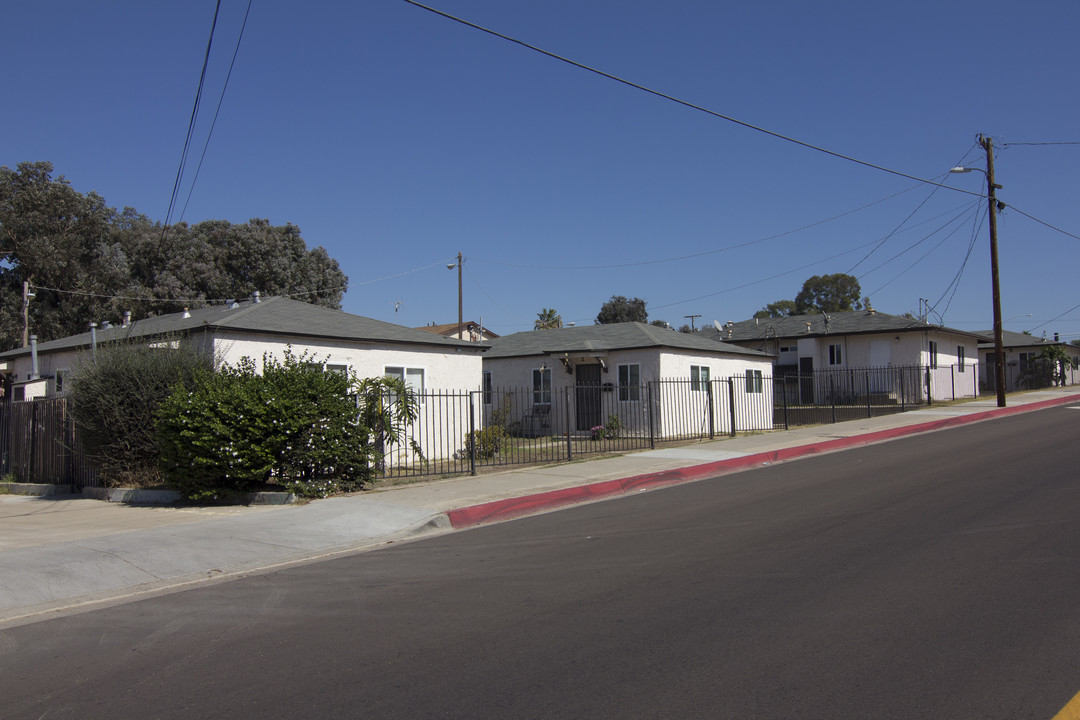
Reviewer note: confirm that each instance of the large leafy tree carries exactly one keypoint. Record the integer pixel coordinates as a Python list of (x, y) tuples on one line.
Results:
[(620, 309), (820, 293), (87, 262), (780, 308), (828, 293)]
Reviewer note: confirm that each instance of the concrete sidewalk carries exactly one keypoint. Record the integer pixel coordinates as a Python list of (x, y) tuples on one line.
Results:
[(63, 553)]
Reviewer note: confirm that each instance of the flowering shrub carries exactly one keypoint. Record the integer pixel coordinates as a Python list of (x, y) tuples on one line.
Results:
[(598, 432), (313, 432)]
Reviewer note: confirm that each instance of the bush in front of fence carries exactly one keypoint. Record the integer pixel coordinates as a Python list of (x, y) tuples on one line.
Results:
[(312, 432), (115, 393)]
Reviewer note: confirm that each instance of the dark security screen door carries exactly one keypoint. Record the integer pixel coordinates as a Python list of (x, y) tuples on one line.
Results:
[(587, 396)]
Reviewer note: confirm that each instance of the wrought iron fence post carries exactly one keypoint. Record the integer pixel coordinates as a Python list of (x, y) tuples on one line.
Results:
[(473, 439), (731, 403), (952, 376), (929, 392), (784, 393), (566, 404), (709, 409), (903, 392), (650, 413), (832, 396), (869, 411)]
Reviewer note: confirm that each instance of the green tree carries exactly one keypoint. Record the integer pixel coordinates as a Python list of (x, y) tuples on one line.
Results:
[(619, 309), (828, 293), (547, 319), (87, 262), (780, 308)]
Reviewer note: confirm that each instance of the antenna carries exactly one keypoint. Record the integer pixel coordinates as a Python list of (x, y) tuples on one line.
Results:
[(397, 306)]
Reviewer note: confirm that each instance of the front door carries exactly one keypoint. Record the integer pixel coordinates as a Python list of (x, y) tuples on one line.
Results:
[(587, 396), (806, 381)]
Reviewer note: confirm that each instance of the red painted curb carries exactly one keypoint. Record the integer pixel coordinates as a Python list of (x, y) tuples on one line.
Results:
[(498, 510)]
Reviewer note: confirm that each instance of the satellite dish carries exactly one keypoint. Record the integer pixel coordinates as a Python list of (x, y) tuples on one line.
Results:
[(719, 327)]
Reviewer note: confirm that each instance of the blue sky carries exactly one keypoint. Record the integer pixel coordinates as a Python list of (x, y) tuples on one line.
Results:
[(396, 138)]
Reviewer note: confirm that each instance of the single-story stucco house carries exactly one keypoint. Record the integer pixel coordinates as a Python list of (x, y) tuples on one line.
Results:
[(577, 378), (1021, 353), (252, 328), (862, 340)]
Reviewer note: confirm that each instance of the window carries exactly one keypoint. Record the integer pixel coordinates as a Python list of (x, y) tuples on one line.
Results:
[(413, 377), (933, 354), (699, 377), (542, 386), (788, 348), (960, 356), (836, 355), (753, 381), (61, 376), (486, 388), (629, 383), (341, 368)]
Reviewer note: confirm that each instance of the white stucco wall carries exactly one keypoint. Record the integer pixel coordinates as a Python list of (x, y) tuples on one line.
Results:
[(676, 407)]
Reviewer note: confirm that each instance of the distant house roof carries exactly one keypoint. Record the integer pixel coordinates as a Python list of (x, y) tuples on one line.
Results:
[(452, 328), (852, 322), (273, 316), (1014, 339), (605, 338)]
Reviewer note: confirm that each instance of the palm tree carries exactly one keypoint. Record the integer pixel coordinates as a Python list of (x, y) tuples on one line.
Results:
[(548, 319)]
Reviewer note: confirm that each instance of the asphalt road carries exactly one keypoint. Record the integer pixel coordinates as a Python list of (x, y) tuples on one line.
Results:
[(932, 577)]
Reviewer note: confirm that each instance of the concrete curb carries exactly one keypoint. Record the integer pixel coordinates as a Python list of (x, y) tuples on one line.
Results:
[(510, 508), (36, 489)]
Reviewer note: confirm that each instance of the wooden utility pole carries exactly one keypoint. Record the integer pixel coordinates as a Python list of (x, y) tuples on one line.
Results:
[(692, 329), (999, 344)]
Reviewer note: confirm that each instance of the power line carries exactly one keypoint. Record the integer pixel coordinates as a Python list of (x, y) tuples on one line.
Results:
[(684, 103), (191, 125), (696, 255), (1074, 307), (216, 111), (1043, 222), (912, 214), (1005, 145)]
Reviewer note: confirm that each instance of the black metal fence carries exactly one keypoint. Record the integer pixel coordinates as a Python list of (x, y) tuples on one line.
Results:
[(39, 443), (460, 431)]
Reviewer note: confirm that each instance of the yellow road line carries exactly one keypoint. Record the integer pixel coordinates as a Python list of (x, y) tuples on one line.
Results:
[(1071, 711)]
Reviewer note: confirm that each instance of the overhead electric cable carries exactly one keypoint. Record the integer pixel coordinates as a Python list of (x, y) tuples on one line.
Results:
[(1058, 317), (1005, 145), (1043, 222), (191, 125), (216, 112), (695, 255), (684, 103), (971, 207), (885, 239)]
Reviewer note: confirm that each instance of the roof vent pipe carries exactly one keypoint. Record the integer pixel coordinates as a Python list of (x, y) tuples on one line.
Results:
[(808, 326), (93, 340), (127, 319), (186, 314), (232, 303), (255, 297), (33, 358)]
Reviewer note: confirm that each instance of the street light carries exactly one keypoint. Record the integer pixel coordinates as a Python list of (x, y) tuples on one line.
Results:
[(994, 207), (460, 320)]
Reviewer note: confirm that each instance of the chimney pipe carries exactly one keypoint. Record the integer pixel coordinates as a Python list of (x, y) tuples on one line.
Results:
[(33, 358), (255, 297), (93, 340), (127, 319)]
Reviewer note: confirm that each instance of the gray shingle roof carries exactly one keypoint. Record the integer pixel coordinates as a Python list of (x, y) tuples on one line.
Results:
[(274, 315), (1012, 339), (604, 338), (852, 322)]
